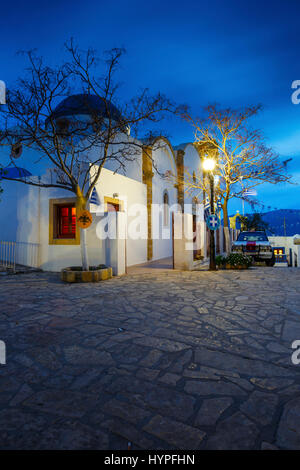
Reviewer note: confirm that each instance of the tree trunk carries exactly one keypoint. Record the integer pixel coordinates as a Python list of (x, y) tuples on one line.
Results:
[(81, 205), (226, 228), (84, 252)]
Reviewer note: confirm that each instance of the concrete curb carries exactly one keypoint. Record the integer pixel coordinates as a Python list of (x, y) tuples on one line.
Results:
[(72, 275)]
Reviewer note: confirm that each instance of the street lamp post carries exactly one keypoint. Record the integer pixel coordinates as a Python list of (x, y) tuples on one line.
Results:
[(243, 200), (209, 165)]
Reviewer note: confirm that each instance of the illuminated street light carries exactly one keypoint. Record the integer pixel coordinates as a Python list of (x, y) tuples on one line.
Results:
[(209, 165)]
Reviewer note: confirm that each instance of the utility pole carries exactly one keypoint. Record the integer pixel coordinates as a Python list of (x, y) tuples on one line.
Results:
[(2, 92)]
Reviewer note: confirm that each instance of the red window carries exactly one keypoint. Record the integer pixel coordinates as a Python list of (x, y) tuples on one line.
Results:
[(66, 221)]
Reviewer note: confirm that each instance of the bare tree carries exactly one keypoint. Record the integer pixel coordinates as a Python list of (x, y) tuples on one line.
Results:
[(77, 149), (243, 160)]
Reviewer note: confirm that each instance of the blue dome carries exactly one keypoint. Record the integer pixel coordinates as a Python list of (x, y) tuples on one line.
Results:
[(85, 104)]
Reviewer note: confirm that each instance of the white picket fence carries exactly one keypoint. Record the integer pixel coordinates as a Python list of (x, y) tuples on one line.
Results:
[(19, 253)]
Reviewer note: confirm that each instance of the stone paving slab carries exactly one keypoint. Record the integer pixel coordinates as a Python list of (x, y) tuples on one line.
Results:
[(163, 359)]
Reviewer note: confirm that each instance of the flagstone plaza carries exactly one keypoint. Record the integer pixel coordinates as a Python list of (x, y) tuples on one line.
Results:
[(164, 360)]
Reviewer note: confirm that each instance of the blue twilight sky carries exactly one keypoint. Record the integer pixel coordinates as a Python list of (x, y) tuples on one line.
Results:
[(232, 52)]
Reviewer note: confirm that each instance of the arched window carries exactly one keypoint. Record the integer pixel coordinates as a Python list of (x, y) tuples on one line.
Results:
[(166, 208)]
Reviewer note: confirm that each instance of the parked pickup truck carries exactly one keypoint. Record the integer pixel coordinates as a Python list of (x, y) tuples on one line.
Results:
[(255, 244)]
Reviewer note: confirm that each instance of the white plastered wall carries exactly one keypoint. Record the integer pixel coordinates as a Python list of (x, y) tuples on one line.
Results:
[(192, 163), (133, 196), (28, 221), (164, 162)]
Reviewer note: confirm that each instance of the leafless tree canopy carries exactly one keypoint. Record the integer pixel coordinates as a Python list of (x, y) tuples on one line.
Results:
[(77, 149), (243, 160)]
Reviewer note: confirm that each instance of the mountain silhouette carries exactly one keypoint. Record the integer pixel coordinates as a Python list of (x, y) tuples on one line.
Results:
[(282, 222)]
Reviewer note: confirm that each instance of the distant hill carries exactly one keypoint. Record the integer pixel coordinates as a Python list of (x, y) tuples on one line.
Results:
[(290, 218), (277, 218)]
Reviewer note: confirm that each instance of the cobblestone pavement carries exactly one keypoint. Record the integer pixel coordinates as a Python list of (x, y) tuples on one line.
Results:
[(170, 360)]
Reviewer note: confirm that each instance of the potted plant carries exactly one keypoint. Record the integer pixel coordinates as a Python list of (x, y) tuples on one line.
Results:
[(220, 262), (238, 261)]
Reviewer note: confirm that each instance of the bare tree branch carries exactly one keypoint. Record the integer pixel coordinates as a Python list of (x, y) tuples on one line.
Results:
[(78, 148)]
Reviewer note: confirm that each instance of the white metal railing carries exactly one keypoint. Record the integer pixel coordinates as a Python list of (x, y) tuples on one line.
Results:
[(8, 254), (19, 253)]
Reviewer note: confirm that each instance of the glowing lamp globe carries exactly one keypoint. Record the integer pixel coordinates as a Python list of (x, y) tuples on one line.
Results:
[(208, 164)]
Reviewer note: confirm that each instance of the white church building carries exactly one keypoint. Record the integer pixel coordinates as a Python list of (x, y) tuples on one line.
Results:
[(143, 207)]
